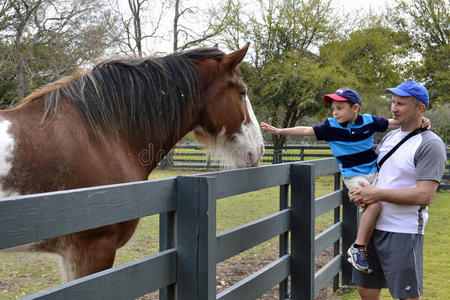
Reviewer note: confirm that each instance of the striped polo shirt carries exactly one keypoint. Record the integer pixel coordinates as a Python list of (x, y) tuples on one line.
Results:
[(352, 145)]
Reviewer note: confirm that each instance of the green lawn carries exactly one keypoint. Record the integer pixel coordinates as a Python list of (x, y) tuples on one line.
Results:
[(23, 274), (200, 154)]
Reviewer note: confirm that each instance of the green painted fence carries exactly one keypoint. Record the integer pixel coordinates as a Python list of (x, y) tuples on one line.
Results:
[(190, 248)]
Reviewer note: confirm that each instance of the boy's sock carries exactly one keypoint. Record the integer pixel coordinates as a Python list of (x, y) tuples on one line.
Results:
[(358, 246)]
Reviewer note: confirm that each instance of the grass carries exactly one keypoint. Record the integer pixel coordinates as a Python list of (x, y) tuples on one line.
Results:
[(216, 159), (23, 274)]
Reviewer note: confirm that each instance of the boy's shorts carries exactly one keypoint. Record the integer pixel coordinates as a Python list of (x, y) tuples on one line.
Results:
[(353, 181), (396, 260)]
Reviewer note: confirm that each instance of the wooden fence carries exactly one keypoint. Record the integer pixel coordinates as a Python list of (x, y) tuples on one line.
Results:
[(445, 184), (190, 248), (194, 157)]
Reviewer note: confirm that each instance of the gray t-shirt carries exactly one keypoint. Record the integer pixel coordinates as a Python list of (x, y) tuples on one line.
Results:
[(422, 157)]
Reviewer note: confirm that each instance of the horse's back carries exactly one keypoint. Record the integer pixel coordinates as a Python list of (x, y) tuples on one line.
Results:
[(56, 154)]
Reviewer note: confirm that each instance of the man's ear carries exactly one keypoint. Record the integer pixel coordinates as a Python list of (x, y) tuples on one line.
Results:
[(356, 107), (422, 108)]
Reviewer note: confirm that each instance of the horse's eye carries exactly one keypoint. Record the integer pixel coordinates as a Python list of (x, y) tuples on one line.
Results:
[(243, 92)]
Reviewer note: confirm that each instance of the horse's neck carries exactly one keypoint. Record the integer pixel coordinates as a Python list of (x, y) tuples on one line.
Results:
[(150, 151), (147, 152)]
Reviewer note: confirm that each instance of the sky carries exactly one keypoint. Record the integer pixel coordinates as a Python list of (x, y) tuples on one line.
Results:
[(166, 47), (349, 5)]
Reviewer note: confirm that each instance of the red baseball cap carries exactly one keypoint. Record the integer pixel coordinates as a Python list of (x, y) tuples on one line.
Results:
[(343, 94)]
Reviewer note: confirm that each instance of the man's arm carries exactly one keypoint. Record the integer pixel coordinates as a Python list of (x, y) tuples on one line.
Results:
[(297, 131), (420, 195)]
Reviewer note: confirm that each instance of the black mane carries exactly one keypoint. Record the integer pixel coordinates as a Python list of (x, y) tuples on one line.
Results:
[(136, 96)]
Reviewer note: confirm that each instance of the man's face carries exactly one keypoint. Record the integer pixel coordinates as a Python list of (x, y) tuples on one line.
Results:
[(405, 110)]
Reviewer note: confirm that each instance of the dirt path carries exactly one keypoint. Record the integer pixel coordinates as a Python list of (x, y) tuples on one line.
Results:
[(234, 270), (230, 272)]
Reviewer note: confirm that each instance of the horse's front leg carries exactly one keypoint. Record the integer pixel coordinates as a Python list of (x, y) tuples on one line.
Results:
[(88, 252)]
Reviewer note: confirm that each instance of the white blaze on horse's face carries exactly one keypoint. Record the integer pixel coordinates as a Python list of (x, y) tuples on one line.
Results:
[(228, 124), (250, 140), (241, 149)]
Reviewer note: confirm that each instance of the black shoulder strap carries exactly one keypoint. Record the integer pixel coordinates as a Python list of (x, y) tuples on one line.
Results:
[(412, 133)]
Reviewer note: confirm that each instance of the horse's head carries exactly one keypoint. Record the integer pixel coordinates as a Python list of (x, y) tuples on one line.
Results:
[(228, 123)]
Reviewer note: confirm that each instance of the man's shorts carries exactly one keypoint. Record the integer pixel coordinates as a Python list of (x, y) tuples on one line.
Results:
[(354, 180), (396, 260)]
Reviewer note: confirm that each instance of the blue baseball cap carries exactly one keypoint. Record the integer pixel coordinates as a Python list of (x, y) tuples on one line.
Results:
[(411, 88), (343, 94)]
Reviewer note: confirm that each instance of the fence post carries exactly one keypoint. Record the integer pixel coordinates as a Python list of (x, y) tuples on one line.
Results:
[(167, 241), (302, 231), (337, 218), (284, 239), (207, 239), (167, 161), (208, 161), (196, 238), (349, 230), (277, 155)]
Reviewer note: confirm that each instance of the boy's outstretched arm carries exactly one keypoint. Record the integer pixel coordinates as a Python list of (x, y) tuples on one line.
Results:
[(393, 123), (297, 131)]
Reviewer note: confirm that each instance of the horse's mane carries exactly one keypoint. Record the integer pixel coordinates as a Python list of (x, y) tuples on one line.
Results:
[(132, 95)]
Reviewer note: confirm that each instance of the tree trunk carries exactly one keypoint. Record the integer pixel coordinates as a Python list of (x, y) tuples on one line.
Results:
[(20, 78), (20, 68), (278, 142), (175, 25), (135, 7)]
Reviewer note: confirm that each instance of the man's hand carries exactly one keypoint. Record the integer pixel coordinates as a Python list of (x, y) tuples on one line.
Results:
[(354, 195), (426, 123), (363, 197)]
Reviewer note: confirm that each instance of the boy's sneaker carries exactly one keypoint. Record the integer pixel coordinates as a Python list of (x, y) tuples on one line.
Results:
[(358, 258)]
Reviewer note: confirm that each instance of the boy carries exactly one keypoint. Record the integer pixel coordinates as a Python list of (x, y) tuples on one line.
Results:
[(350, 136)]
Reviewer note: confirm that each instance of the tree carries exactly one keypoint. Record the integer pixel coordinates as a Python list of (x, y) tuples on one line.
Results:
[(142, 23), (193, 25), (234, 34), (427, 22), (286, 25), (369, 60), (440, 118), (286, 80), (7, 75), (47, 38)]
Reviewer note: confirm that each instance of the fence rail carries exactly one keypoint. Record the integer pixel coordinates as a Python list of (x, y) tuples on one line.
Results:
[(200, 160), (190, 248)]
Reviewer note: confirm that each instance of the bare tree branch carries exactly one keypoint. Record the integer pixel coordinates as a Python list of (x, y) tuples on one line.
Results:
[(57, 31), (140, 24), (214, 22)]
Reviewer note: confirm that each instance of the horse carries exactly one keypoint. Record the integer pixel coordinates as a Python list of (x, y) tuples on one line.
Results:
[(91, 128)]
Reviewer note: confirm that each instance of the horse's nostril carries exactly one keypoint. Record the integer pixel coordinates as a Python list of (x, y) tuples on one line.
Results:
[(252, 159)]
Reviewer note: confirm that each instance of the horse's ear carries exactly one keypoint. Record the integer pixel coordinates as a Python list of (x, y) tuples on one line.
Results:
[(234, 58)]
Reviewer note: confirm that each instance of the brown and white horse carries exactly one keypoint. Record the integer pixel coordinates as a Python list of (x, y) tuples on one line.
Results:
[(92, 129)]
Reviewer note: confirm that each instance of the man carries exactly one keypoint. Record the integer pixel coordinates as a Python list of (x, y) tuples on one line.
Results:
[(407, 182)]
